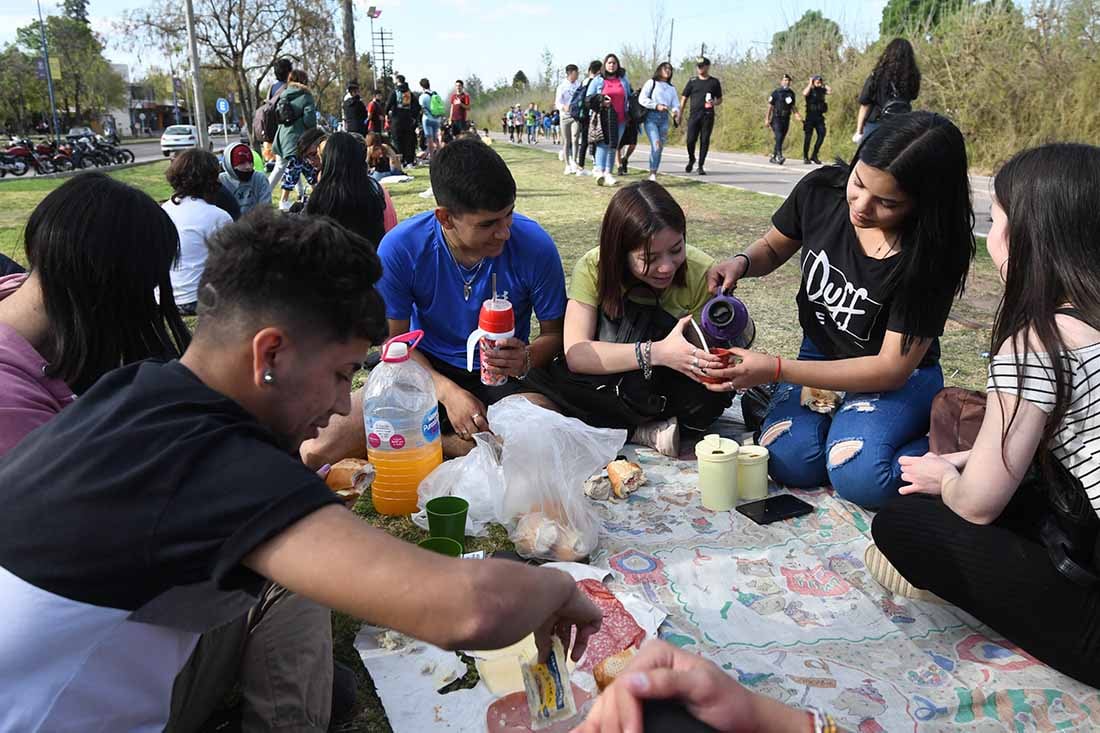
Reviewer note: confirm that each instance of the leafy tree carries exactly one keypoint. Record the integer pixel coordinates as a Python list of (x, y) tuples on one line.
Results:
[(519, 81), (811, 34), (902, 17), (474, 86), (548, 77), (77, 10), (23, 96)]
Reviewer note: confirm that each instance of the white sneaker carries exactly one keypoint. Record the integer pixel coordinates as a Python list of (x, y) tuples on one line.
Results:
[(663, 436), (653, 177), (561, 155), (583, 172), (285, 205), (599, 179), (568, 171), (609, 180)]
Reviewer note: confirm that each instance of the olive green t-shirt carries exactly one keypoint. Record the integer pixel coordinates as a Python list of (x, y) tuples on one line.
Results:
[(677, 300)]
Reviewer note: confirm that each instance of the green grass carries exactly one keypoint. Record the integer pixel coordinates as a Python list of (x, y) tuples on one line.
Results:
[(721, 221)]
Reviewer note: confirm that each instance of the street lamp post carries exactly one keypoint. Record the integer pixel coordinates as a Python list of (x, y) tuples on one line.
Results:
[(49, 75), (199, 111)]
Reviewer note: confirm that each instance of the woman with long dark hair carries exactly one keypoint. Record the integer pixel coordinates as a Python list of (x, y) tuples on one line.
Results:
[(345, 190), (884, 245), (630, 300), (97, 250), (660, 98), (193, 176), (971, 528), (609, 99), (890, 89)]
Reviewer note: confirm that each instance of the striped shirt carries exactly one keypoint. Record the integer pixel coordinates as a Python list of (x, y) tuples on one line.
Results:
[(1076, 444)]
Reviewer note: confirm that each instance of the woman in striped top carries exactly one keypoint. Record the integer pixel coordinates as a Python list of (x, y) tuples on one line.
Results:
[(964, 528)]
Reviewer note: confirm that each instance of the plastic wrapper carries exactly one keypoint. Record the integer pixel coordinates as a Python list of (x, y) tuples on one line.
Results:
[(477, 477)]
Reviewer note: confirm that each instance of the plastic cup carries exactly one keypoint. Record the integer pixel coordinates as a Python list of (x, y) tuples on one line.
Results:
[(442, 545), (447, 518), (752, 472)]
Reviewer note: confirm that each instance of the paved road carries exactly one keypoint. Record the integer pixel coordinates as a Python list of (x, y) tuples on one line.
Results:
[(755, 173)]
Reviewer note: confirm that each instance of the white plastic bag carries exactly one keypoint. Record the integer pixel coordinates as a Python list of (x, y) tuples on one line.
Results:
[(477, 477), (545, 460)]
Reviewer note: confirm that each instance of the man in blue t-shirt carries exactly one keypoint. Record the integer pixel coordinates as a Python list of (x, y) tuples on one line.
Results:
[(438, 269)]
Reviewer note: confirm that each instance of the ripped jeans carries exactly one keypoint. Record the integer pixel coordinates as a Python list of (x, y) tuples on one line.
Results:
[(857, 449)]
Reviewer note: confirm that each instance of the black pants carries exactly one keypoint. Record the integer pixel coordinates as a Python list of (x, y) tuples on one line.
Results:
[(999, 573), (809, 127), (780, 125), (699, 129), (404, 136), (582, 148)]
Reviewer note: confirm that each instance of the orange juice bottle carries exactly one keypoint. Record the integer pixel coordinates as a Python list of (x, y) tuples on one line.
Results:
[(401, 417)]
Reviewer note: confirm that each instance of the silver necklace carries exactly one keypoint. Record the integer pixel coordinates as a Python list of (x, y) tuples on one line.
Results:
[(467, 285)]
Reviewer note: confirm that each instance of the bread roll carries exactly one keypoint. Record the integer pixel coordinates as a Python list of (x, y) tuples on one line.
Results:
[(625, 477), (342, 474), (606, 671), (823, 401)]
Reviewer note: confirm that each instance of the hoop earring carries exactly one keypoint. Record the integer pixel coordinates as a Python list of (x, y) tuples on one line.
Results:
[(269, 377)]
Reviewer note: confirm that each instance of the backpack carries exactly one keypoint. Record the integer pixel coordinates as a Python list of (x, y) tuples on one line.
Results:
[(436, 106), (288, 113), (897, 105), (635, 110), (577, 108), (266, 119)]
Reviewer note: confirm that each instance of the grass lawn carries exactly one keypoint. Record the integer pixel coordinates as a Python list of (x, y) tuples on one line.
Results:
[(721, 221)]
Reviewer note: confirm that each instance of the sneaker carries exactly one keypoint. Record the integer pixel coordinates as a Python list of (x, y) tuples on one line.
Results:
[(622, 169), (815, 161), (285, 205), (599, 179), (652, 177), (608, 180), (689, 166), (561, 155), (583, 172), (889, 578), (780, 160), (568, 171), (772, 160), (663, 436), (701, 171), (805, 161)]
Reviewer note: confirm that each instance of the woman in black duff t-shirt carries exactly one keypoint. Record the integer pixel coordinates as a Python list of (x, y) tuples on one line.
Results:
[(884, 247)]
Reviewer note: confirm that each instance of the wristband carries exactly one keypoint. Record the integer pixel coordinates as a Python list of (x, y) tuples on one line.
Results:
[(748, 263), (778, 368)]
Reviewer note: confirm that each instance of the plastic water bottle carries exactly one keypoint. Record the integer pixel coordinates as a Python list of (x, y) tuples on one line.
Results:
[(401, 416)]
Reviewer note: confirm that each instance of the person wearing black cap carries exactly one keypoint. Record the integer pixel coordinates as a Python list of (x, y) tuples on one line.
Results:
[(816, 107), (780, 108), (355, 112), (705, 94)]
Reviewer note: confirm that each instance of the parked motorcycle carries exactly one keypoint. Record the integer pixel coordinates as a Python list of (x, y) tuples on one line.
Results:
[(114, 152), (25, 150), (11, 164)]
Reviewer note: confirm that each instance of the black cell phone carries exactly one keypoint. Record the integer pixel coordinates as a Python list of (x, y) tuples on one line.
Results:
[(775, 509)]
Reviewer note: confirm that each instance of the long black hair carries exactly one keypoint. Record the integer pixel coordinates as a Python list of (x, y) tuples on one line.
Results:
[(657, 72), (898, 66), (99, 248), (926, 155), (619, 72), (1049, 195), (346, 192)]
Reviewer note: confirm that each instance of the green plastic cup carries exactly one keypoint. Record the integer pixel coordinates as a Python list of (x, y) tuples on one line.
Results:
[(447, 518), (442, 545)]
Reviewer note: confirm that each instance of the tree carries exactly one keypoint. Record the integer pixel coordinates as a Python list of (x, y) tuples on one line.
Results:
[(811, 35), (349, 41), (906, 17), (474, 86), (658, 24), (519, 81), (23, 97), (77, 10), (549, 75)]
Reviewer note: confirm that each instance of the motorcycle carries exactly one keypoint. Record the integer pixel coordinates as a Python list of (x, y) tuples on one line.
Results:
[(26, 151), (117, 154), (11, 164)]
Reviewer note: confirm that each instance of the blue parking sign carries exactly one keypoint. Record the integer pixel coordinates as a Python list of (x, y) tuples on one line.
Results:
[(222, 105)]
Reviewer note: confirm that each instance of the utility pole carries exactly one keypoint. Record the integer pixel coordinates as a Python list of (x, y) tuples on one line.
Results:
[(49, 76), (671, 28), (198, 112), (350, 59)]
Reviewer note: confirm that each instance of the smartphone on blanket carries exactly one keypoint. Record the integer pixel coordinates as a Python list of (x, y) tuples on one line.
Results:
[(775, 509)]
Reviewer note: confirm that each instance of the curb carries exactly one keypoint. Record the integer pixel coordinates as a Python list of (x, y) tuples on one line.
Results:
[(69, 174)]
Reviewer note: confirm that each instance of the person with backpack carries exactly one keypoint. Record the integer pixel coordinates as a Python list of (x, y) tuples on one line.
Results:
[(570, 127), (659, 97), (704, 93), (266, 123), (555, 126), (883, 248), (1004, 525), (355, 112), (432, 110), (297, 113), (403, 110), (578, 109), (459, 105), (608, 100), (890, 89), (816, 107), (781, 106)]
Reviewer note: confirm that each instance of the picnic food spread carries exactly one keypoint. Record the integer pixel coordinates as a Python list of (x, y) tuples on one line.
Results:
[(626, 477), (349, 478)]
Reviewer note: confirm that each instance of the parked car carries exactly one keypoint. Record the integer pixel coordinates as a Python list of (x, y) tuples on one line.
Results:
[(180, 137), (81, 132), (217, 129)]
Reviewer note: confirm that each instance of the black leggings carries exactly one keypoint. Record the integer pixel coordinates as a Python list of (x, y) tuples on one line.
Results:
[(810, 127), (780, 125), (999, 573), (699, 129)]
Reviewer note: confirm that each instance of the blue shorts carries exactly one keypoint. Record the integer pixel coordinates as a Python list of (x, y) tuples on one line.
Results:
[(430, 126)]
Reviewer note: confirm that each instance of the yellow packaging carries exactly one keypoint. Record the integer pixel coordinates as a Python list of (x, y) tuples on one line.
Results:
[(549, 693)]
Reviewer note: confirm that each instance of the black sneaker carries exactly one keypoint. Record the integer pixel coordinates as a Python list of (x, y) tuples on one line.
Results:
[(772, 160), (689, 166), (805, 161), (815, 161), (780, 160), (622, 169), (701, 171)]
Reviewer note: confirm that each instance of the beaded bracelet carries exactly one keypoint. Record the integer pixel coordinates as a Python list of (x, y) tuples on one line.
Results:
[(638, 355), (647, 368)]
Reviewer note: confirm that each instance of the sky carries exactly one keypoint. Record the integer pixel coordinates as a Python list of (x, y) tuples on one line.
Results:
[(444, 40)]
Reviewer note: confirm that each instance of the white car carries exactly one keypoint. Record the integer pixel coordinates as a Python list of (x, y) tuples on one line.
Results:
[(180, 137)]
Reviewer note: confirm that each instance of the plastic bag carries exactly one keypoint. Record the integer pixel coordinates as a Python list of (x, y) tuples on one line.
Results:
[(545, 460), (477, 477)]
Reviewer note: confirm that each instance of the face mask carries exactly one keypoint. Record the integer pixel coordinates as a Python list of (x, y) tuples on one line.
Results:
[(244, 176)]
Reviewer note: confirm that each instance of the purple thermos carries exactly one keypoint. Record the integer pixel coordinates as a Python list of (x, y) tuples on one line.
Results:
[(726, 322)]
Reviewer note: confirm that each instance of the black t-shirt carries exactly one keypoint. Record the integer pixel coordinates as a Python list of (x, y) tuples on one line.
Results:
[(815, 103), (146, 494), (782, 102), (844, 301), (696, 92), (880, 92)]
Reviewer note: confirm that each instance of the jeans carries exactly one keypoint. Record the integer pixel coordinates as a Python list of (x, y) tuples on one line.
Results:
[(699, 128), (857, 449), (809, 127), (605, 154), (656, 129), (780, 125), (532, 132), (570, 130)]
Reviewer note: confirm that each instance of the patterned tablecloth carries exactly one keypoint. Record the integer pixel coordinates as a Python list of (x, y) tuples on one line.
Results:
[(790, 610)]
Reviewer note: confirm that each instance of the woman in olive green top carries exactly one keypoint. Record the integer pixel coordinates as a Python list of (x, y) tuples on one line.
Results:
[(627, 363)]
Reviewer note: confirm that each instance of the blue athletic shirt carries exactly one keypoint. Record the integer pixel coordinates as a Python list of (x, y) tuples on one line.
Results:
[(421, 282)]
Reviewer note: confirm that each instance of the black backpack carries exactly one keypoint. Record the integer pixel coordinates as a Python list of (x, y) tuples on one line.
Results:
[(266, 119), (577, 108), (635, 109), (288, 113), (897, 104)]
